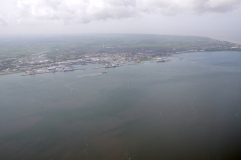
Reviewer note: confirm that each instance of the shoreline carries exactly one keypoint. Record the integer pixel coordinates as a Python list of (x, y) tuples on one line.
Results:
[(2, 74), (174, 55)]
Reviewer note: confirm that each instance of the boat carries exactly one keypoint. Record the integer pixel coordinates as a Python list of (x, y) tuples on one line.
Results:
[(68, 69), (162, 60), (51, 68)]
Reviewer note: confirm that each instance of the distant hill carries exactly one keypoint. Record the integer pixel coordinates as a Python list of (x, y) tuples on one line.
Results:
[(23, 46)]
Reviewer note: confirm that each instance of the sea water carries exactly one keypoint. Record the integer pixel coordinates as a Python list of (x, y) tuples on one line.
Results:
[(188, 108)]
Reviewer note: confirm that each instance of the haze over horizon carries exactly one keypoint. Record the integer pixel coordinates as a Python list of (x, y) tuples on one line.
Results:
[(219, 19)]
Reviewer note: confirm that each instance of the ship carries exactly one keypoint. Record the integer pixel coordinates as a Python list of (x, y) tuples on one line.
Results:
[(68, 69), (51, 68), (162, 60)]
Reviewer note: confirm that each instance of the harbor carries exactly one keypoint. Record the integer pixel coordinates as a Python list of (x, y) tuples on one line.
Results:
[(107, 61)]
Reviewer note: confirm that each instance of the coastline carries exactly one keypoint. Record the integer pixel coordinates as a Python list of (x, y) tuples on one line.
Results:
[(2, 73), (140, 62)]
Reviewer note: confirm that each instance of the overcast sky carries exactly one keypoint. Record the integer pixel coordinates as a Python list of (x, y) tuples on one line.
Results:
[(220, 19)]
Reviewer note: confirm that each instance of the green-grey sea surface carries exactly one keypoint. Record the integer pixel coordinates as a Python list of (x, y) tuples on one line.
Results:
[(188, 108)]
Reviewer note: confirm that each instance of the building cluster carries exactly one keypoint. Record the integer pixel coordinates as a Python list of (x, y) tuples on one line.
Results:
[(39, 63), (63, 61), (34, 59)]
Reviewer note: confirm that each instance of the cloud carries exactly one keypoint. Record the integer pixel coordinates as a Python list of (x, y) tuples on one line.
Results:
[(72, 10), (3, 22), (85, 11), (172, 7), (220, 6)]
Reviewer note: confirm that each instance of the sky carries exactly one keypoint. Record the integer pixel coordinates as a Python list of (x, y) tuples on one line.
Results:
[(219, 19)]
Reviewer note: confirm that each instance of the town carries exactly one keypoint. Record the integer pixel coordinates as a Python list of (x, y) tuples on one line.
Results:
[(62, 54), (39, 63)]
